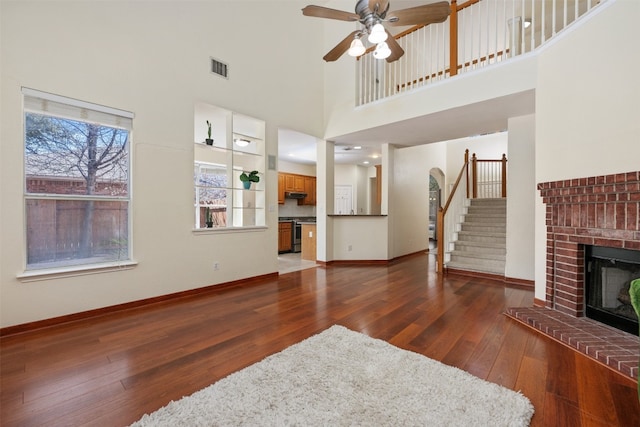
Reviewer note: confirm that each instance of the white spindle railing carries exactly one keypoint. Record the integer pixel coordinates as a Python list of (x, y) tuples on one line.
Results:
[(454, 217), (488, 31)]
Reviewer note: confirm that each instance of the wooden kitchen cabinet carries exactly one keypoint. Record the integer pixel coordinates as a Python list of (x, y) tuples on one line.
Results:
[(293, 182), (285, 234), (299, 184), (310, 189), (281, 189)]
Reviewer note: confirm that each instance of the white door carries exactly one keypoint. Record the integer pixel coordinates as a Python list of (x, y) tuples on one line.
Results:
[(342, 194)]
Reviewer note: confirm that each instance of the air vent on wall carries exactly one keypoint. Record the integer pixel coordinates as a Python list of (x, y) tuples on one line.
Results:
[(219, 68)]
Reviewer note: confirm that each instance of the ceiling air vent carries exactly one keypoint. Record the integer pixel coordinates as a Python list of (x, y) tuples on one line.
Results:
[(219, 68)]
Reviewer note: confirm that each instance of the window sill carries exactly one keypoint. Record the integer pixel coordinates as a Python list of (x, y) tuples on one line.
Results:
[(72, 271), (223, 230)]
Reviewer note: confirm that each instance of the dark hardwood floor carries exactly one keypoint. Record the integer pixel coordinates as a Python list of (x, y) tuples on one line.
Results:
[(110, 370)]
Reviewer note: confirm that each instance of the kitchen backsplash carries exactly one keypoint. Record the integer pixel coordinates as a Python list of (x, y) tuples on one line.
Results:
[(291, 209)]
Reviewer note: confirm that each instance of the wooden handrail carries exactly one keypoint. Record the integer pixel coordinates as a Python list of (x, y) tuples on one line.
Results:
[(443, 210)]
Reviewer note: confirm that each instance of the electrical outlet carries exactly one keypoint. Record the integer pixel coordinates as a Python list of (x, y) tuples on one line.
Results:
[(349, 248), (216, 266)]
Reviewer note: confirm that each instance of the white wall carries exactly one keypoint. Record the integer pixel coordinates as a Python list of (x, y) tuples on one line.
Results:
[(587, 106), (487, 147), (410, 227), (521, 197), (152, 58), (297, 168)]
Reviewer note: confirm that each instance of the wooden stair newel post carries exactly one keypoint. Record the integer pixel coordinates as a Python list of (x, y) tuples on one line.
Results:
[(466, 165), (474, 175), (504, 175)]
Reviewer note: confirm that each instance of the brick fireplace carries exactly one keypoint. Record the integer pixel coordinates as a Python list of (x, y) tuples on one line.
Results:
[(581, 213), (599, 210)]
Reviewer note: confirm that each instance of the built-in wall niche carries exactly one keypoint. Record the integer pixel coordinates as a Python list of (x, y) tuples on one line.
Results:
[(220, 197)]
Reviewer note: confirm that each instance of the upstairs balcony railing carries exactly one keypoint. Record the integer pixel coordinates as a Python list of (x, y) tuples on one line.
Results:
[(478, 33)]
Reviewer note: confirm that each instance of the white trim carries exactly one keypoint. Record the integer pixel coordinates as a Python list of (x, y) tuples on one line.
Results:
[(222, 230), (76, 102), (72, 271)]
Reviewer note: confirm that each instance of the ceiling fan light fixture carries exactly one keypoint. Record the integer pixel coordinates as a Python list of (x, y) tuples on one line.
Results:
[(357, 48), (382, 51), (378, 34)]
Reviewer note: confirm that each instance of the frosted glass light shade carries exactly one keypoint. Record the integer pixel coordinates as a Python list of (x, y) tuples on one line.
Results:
[(357, 48), (382, 51), (378, 34)]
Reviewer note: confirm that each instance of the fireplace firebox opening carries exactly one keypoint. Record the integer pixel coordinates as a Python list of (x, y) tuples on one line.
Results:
[(609, 272)]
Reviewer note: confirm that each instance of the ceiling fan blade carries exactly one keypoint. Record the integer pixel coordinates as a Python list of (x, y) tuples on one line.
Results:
[(383, 5), (396, 49), (325, 12), (421, 15), (340, 48)]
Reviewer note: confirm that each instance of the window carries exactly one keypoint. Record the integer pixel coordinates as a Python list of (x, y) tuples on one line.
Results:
[(211, 194), (228, 144), (77, 195)]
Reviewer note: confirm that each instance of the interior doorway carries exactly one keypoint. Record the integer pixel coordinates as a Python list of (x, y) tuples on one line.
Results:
[(343, 195), (436, 179)]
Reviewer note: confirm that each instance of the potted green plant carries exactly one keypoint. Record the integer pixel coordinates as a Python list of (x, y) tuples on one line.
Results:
[(209, 217), (209, 141), (248, 178)]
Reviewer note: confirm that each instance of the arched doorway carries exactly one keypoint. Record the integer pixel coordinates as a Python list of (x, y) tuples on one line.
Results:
[(436, 180)]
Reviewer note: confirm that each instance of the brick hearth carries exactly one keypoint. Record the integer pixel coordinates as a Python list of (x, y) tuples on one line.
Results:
[(600, 210), (616, 349)]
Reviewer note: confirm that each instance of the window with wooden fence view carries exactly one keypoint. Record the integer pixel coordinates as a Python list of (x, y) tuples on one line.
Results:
[(76, 182)]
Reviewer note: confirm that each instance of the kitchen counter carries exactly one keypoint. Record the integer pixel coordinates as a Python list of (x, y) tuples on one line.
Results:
[(308, 241)]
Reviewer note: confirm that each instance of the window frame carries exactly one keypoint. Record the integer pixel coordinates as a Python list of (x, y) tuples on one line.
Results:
[(96, 114)]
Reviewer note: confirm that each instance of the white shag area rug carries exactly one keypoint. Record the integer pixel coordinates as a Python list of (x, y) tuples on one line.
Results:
[(344, 378)]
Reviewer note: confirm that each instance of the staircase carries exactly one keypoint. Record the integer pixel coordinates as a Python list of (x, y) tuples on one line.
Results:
[(481, 244)]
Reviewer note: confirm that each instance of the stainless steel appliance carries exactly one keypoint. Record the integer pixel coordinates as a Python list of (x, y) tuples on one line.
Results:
[(296, 236)]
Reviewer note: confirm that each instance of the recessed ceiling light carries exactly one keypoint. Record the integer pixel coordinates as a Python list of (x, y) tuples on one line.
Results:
[(366, 162), (357, 147)]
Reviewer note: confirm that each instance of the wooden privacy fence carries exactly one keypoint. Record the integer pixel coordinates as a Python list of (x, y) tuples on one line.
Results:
[(55, 229)]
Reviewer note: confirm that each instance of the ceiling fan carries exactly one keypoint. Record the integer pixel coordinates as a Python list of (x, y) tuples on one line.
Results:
[(371, 14)]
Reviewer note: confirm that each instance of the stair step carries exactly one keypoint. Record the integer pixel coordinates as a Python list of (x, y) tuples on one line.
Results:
[(480, 269), (486, 247), (484, 227), (489, 201), (485, 217), (476, 257), (486, 212), (473, 236), (481, 244)]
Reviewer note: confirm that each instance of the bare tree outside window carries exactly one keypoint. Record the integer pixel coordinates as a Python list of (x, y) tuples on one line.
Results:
[(80, 171)]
